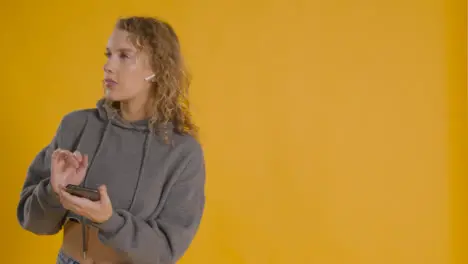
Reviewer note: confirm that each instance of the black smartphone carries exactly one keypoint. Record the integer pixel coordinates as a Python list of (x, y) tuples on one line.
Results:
[(91, 194)]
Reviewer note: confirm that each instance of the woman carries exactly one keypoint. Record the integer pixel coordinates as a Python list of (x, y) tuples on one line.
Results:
[(138, 147)]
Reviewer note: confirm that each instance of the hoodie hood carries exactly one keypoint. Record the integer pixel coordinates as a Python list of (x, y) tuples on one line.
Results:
[(108, 114)]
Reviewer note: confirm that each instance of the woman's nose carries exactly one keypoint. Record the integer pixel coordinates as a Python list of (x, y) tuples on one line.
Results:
[(110, 65), (108, 68)]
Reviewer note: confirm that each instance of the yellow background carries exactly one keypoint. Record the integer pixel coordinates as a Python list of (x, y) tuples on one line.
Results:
[(334, 131)]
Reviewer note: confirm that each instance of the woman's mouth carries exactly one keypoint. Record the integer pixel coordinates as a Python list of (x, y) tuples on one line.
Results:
[(109, 83)]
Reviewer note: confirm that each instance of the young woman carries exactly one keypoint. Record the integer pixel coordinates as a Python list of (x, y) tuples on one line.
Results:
[(138, 147)]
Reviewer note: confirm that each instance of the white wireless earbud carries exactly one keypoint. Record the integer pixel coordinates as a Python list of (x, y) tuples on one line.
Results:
[(150, 77)]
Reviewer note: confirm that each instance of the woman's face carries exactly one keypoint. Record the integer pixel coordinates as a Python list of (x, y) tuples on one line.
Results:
[(126, 69)]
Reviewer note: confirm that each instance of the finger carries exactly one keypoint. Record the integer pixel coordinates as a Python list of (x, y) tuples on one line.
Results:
[(58, 158), (63, 189), (67, 157), (61, 154), (85, 161), (83, 164), (80, 202), (55, 159), (71, 200), (78, 156), (65, 201), (66, 204), (72, 160), (55, 154), (103, 194)]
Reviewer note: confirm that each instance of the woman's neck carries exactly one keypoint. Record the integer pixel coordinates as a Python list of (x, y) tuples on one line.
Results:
[(134, 111)]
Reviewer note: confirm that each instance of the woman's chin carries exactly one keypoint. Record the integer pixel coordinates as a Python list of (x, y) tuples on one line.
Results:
[(111, 95)]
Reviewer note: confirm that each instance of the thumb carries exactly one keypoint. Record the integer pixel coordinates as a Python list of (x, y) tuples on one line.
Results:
[(103, 193)]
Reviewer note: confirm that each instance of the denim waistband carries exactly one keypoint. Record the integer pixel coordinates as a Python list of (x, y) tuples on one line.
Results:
[(64, 259)]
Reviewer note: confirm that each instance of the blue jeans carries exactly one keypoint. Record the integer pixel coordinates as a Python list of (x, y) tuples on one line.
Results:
[(64, 259)]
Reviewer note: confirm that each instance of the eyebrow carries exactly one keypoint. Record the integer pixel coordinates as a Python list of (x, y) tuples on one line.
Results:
[(122, 50)]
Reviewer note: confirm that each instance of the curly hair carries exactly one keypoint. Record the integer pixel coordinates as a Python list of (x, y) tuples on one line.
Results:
[(171, 82)]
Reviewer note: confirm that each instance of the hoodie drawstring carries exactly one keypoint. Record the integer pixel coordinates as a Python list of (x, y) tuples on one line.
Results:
[(142, 165), (84, 236), (83, 220)]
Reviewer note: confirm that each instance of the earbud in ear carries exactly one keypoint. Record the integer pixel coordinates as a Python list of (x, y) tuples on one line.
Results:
[(150, 77)]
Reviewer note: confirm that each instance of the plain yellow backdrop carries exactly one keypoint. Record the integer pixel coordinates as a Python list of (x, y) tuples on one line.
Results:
[(334, 131)]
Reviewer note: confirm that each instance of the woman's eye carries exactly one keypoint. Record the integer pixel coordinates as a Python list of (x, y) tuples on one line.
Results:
[(107, 54), (124, 56)]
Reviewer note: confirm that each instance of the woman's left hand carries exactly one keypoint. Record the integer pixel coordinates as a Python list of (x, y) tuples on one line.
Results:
[(98, 212)]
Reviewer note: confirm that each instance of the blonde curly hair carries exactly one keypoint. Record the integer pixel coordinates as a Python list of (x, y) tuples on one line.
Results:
[(171, 81)]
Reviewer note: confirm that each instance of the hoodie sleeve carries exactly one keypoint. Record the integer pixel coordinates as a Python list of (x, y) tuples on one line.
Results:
[(164, 239), (39, 210)]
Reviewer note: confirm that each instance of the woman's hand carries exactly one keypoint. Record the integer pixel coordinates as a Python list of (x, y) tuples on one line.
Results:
[(67, 168), (97, 212)]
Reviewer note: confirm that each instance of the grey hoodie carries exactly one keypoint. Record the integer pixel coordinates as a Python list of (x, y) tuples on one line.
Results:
[(156, 189)]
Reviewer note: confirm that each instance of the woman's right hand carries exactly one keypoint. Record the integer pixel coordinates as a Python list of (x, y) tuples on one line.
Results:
[(67, 168)]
